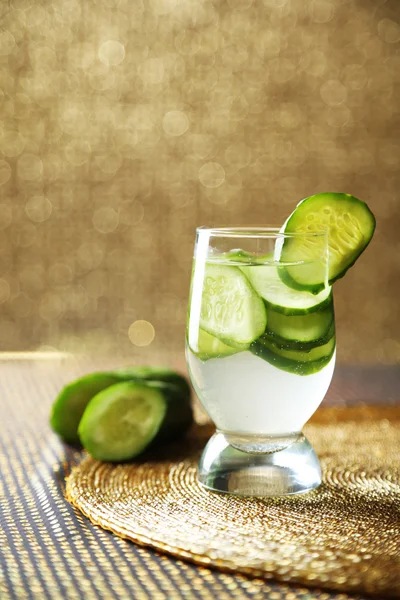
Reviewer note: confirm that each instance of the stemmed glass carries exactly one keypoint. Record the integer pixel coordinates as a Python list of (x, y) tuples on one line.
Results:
[(260, 350)]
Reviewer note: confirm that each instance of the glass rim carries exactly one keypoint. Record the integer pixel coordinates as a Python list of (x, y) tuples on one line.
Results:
[(255, 231)]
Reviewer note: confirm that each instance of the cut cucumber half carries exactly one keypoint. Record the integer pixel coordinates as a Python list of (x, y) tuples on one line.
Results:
[(179, 415), (70, 404), (122, 421), (231, 310), (350, 225), (165, 374), (278, 296), (299, 362), (207, 346), (300, 328)]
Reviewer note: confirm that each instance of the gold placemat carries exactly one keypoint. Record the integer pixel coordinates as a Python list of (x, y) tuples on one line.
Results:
[(343, 536)]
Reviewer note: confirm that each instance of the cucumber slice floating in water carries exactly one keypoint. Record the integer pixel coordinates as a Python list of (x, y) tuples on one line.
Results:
[(286, 344), (239, 256), (231, 310), (122, 421), (350, 225), (278, 296), (300, 328), (207, 346), (300, 362)]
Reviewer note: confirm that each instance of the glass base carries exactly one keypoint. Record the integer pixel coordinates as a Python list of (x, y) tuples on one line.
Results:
[(293, 469)]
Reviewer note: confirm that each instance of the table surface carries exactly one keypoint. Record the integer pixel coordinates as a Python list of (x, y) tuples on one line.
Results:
[(49, 550)]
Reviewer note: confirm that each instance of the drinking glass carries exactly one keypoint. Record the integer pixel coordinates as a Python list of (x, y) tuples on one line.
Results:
[(260, 349)]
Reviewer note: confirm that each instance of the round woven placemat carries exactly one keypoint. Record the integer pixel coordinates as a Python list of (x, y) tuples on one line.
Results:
[(344, 536)]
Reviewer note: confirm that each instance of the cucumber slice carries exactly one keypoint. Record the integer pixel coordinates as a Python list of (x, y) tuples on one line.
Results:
[(231, 310), (285, 344), (278, 296), (207, 346), (70, 404), (300, 328), (300, 362), (239, 256), (350, 225), (122, 421)]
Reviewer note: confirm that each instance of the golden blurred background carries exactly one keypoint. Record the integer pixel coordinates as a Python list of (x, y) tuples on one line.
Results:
[(124, 124)]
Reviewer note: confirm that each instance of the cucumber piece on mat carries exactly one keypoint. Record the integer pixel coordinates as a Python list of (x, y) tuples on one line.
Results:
[(71, 402), (123, 420), (149, 373)]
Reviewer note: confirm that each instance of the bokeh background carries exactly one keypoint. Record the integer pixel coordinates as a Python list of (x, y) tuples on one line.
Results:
[(124, 124)]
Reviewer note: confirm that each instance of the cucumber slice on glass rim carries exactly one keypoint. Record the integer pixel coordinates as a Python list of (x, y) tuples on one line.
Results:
[(350, 226)]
